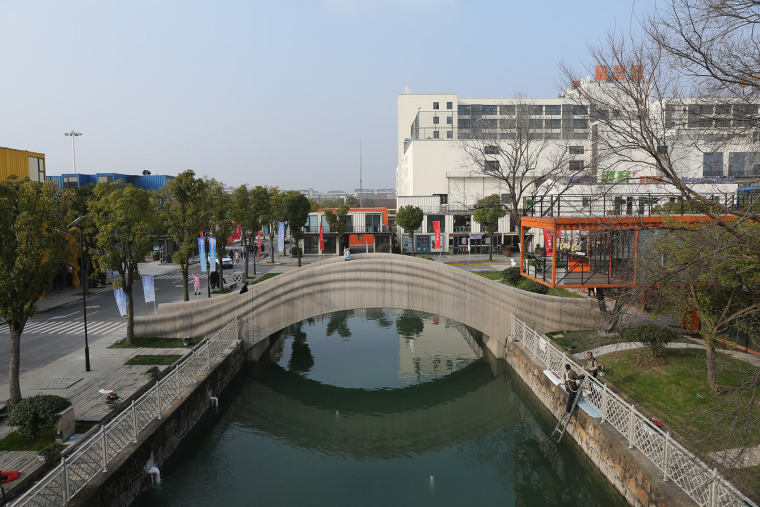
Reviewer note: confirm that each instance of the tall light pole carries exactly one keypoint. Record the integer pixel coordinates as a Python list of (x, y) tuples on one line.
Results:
[(73, 134), (82, 282)]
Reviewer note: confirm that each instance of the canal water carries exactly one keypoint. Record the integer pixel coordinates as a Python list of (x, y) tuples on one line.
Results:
[(378, 407)]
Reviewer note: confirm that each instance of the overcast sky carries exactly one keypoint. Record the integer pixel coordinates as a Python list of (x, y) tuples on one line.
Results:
[(267, 93)]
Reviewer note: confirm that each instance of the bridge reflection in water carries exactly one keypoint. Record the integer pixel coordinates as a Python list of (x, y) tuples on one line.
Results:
[(282, 438)]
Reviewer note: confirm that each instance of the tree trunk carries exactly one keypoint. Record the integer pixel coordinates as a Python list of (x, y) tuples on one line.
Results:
[(245, 257), (298, 247), (184, 267), (130, 314), (490, 249), (14, 342), (271, 245), (610, 320), (411, 241), (712, 379)]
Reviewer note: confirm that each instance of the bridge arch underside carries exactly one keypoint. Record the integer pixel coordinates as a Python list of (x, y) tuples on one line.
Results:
[(372, 281)]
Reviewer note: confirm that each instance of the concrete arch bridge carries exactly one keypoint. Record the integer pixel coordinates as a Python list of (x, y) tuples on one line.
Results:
[(371, 281)]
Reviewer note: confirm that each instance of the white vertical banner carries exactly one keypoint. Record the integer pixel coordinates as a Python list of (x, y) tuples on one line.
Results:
[(212, 254), (121, 301), (281, 237), (202, 253), (150, 294)]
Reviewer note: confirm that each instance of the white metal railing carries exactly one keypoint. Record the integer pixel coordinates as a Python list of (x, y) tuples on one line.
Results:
[(93, 455), (703, 484)]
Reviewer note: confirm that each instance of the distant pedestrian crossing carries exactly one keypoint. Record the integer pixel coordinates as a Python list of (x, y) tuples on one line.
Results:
[(57, 327)]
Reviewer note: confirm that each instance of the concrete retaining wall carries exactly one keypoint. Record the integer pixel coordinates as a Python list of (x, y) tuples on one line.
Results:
[(372, 281), (632, 474)]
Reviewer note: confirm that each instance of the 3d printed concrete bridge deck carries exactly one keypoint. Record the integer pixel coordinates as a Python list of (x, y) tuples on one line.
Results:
[(371, 281)]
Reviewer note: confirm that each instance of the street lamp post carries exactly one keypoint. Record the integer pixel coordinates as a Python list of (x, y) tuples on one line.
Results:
[(73, 134), (83, 281)]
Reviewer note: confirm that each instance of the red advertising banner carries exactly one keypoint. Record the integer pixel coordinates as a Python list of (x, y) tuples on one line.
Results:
[(436, 319), (321, 239), (259, 244), (548, 241), (437, 230), (237, 233)]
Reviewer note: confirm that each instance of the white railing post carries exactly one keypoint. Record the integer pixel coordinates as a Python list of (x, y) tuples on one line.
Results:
[(134, 422), (713, 500), (604, 402), (208, 355), (158, 400), (666, 464), (105, 448), (631, 427), (176, 374), (65, 481)]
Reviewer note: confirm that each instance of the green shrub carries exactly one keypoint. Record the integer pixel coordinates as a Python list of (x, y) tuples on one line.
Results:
[(653, 336), (384, 248), (532, 286), (511, 275), (426, 257), (52, 453), (37, 413)]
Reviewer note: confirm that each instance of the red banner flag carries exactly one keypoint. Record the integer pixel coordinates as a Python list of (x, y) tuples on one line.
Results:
[(259, 244), (436, 319), (321, 239), (548, 241), (437, 230), (238, 231)]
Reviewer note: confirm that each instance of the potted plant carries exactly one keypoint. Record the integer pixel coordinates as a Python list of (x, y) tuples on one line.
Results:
[(561, 270), (153, 372), (111, 399), (187, 341), (51, 453)]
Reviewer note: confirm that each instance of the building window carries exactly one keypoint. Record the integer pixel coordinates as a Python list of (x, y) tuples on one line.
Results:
[(506, 199), (70, 182), (436, 120), (576, 165), (491, 149), (436, 218), (462, 223), (444, 198), (449, 120), (449, 105), (105, 179), (463, 109), (435, 105), (662, 149), (372, 223), (580, 124), (535, 124), (464, 123), (712, 164), (580, 110), (553, 124), (491, 166), (553, 110), (449, 134), (508, 110), (490, 110), (436, 134), (576, 150), (538, 110)]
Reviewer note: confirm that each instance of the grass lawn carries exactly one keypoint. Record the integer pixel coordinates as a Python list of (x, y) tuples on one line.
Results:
[(496, 275), (670, 392), (152, 343), (142, 359), (225, 291), (14, 441), (264, 277), (587, 339)]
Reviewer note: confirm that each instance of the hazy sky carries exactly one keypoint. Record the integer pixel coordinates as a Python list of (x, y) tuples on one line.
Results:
[(267, 93)]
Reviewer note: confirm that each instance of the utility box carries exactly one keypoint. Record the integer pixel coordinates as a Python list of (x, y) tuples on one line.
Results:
[(64, 428)]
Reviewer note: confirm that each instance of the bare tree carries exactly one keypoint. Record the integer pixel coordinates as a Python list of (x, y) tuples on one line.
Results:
[(524, 151)]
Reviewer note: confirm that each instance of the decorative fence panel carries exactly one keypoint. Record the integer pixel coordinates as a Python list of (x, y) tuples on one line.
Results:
[(93, 455), (704, 485)]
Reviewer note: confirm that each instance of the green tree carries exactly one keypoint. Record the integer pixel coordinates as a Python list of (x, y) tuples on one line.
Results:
[(488, 212), (410, 219), (220, 204), (37, 413), (243, 214), (336, 219), (32, 248), (276, 214), (127, 222), (351, 201), (79, 207), (183, 210), (296, 207), (261, 209)]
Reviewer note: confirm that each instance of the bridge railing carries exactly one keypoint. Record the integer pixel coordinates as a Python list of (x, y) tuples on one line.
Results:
[(703, 484), (93, 455)]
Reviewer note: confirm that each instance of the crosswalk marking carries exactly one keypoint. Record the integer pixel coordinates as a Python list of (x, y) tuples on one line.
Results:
[(58, 327)]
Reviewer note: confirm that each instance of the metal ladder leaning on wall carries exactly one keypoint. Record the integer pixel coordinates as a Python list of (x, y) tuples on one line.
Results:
[(565, 419)]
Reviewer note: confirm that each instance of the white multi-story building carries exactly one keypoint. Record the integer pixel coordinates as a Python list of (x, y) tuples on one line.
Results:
[(437, 171)]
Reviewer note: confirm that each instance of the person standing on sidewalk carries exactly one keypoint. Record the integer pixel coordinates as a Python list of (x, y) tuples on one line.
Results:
[(196, 284)]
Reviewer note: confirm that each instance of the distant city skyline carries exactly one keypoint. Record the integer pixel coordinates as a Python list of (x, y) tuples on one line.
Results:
[(276, 94)]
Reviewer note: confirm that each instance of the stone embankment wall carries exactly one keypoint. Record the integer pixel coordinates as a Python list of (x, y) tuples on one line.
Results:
[(127, 475), (632, 474), (372, 281)]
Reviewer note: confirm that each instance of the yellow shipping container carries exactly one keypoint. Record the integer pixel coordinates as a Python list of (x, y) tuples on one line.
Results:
[(22, 164)]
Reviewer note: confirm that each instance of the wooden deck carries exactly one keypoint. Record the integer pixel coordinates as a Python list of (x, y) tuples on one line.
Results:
[(25, 462)]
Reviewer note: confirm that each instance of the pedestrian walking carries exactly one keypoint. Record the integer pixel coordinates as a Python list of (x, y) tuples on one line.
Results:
[(196, 283), (244, 288)]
